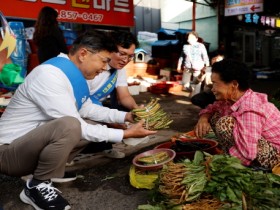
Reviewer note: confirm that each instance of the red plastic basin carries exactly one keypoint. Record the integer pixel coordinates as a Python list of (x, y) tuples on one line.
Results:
[(212, 149)]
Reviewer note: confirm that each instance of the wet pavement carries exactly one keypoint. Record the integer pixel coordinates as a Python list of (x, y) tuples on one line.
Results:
[(103, 183)]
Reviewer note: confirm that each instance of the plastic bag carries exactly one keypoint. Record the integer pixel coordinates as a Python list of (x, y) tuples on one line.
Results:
[(142, 180), (10, 75)]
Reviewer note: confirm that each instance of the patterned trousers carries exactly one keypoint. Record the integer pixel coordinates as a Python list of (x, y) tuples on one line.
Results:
[(267, 155)]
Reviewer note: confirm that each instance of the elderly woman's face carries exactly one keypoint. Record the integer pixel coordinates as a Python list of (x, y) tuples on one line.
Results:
[(220, 89)]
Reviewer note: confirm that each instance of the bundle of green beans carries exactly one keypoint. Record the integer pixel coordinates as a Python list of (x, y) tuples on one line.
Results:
[(155, 117)]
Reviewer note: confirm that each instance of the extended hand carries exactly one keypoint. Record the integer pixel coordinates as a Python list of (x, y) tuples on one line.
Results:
[(137, 130)]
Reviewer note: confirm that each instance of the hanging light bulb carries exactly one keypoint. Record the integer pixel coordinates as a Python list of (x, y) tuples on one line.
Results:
[(240, 17)]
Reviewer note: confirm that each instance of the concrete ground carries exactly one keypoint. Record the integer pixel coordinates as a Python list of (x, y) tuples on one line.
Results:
[(103, 183)]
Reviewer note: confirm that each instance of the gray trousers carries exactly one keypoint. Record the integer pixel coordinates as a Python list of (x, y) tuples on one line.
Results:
[(187, 81), (43, 151)]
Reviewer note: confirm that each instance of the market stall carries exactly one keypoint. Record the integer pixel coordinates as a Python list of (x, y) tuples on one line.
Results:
[(206, 181)]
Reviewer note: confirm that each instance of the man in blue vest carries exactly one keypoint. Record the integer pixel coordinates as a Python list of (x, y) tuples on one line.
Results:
[(113, 83), (43, 126)]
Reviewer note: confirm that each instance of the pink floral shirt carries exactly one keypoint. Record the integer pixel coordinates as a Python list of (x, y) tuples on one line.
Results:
[(255, 117)]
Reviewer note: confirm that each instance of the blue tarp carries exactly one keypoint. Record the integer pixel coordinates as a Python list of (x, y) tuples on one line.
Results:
[(183, 31), (165, 42), (161, 43), (166, 31)]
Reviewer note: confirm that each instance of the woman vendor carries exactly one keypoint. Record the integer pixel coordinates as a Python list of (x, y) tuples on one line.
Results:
[(245, 123)]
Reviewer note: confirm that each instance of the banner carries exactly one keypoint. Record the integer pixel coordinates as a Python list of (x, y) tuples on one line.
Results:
[(238, 7), (96, 12)]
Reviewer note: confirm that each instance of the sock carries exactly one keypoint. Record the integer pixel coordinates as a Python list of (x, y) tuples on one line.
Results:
[(35, 182)]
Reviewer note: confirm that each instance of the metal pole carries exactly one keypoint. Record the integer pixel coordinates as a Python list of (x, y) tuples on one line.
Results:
[(193, 15)]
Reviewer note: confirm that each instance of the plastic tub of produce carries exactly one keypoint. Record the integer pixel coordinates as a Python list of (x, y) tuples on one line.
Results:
[(154, 159)]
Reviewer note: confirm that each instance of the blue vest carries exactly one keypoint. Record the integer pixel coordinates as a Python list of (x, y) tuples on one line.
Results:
[(105, 89), (75, 76)]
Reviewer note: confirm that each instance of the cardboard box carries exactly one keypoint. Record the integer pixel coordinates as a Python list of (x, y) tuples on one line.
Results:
[(165, 73)]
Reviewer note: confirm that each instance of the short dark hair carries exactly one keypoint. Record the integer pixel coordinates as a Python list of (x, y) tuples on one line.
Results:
[(95, 40), (229, 70), (124, 39)]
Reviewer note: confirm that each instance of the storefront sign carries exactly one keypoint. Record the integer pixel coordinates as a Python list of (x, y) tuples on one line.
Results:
[(238, 7), (252, 18), (100, 12), (269, 21)]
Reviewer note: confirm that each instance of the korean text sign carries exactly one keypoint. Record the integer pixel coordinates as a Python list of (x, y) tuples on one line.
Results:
[(100, 12), (238, 7)]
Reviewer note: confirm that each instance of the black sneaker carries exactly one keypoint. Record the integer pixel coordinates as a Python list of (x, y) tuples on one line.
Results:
[(43, 196)]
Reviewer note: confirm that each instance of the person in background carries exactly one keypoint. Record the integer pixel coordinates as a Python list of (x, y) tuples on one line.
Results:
[(245, 123), (206, 97), (43, 126), (193, 60), (48, 37), (113, 83)]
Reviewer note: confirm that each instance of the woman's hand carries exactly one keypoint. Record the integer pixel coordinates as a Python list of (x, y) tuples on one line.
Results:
[(203, 126), (137, 130)]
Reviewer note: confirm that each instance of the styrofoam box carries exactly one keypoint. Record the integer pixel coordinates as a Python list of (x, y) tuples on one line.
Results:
[(134, 89)]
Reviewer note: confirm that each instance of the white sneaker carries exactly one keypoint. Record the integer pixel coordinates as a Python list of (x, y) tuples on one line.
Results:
[(111, 153), (68, 177)]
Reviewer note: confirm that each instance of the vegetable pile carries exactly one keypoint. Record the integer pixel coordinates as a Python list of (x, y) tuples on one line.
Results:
[(217, 182), (155, 117), (183, 181)]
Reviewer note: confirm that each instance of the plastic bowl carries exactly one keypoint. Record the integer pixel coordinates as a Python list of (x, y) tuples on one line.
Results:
[(171, 153), (212, 149)]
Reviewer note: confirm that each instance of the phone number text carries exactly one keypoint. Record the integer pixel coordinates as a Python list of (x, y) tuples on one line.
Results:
[(73, 15)]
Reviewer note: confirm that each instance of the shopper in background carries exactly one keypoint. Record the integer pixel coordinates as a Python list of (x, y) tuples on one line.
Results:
[(245, 123), (48, 37), (206, 97), (193, 60), (43, 126), (113, 83)]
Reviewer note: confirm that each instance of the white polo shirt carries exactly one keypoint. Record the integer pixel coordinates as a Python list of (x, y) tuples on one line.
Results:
[(100, 79)]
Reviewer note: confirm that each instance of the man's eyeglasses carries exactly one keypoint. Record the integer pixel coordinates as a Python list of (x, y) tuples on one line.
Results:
[(125, 56), (104, 59)]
